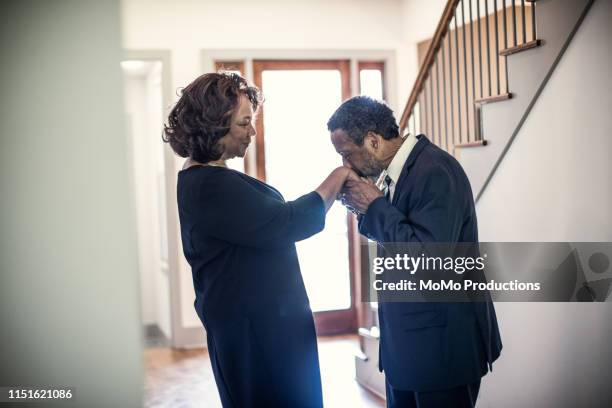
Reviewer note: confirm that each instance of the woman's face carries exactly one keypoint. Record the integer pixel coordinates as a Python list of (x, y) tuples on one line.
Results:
[(242, 129)]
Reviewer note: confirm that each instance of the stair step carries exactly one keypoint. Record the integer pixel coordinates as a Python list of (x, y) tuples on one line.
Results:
[(477, 143), (369, 334), (493, 98), (361, 356), (522, 47)]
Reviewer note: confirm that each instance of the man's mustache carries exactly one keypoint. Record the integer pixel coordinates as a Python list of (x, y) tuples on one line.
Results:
[(363, 175)]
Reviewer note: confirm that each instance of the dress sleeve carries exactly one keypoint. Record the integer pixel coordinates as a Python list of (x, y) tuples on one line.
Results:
[(231, 209)]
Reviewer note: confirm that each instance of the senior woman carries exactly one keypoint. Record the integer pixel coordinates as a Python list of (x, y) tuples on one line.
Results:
[(239, 237)]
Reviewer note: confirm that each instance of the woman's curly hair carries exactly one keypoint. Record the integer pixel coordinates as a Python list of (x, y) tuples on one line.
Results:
[(203, 114)]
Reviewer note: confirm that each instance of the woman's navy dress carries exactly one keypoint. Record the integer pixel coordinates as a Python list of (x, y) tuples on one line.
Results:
[(239, 237)]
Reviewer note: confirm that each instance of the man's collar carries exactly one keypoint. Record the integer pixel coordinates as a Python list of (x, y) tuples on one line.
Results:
[(397, 163)]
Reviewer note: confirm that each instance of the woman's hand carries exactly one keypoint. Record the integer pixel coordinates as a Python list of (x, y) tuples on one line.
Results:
[(351, 175), (331, 186)]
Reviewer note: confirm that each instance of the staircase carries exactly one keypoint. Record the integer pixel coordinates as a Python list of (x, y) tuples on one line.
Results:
[(483, 72), (485, 67)]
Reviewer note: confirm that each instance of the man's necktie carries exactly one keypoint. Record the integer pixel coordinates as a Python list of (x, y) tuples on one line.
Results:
[(388, 182)]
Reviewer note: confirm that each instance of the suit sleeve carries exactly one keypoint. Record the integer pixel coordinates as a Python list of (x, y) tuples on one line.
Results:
[(234, 211), (434, 215)]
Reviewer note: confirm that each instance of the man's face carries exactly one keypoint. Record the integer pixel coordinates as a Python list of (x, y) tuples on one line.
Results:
[(362, 159)]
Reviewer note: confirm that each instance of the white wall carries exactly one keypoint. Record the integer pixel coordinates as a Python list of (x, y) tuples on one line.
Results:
[(555, 185), (69, 293), (187, 27), (419, 21)]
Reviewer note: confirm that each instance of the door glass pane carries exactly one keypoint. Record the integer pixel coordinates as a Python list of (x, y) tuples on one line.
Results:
[(370, 83), (299, 155)]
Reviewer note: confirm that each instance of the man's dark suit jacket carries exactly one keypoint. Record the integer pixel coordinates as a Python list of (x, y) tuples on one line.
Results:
[(431, 346)]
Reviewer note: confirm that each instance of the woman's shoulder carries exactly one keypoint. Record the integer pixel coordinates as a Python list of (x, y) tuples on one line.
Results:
[(203, 175), (207, 173), (207, 181), (211, 179)]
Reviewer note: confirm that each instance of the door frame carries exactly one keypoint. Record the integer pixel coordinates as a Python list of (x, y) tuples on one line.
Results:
[(359, 259), (181, 335)]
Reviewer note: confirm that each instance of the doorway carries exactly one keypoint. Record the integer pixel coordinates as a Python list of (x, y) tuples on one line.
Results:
[(144, 110), (294, 154)]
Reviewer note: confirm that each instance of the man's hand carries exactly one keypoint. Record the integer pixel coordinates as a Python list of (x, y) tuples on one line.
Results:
[(357, 195), (330, 189)]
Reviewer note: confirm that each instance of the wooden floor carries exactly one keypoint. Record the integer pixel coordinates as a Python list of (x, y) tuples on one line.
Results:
[(184, 378)]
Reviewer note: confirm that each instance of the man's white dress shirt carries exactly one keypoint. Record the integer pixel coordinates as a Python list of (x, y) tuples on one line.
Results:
[(397, 164)]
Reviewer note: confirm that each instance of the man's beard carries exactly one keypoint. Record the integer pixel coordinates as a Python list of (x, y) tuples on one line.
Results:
[(372, 168)]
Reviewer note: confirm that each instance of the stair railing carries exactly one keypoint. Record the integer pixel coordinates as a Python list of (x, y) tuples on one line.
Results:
[(465, 67)]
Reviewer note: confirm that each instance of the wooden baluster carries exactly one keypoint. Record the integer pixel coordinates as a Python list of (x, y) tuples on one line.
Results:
[(488, 46), (426, 108), (460, 129), (438, 114), (495, 15), (505, 43), (450, 71), (533, 21), (514, 22), (421, 100), (472, 106), (524, 29), (465, 73), (481, 92), (431, 107), (445, 104)]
